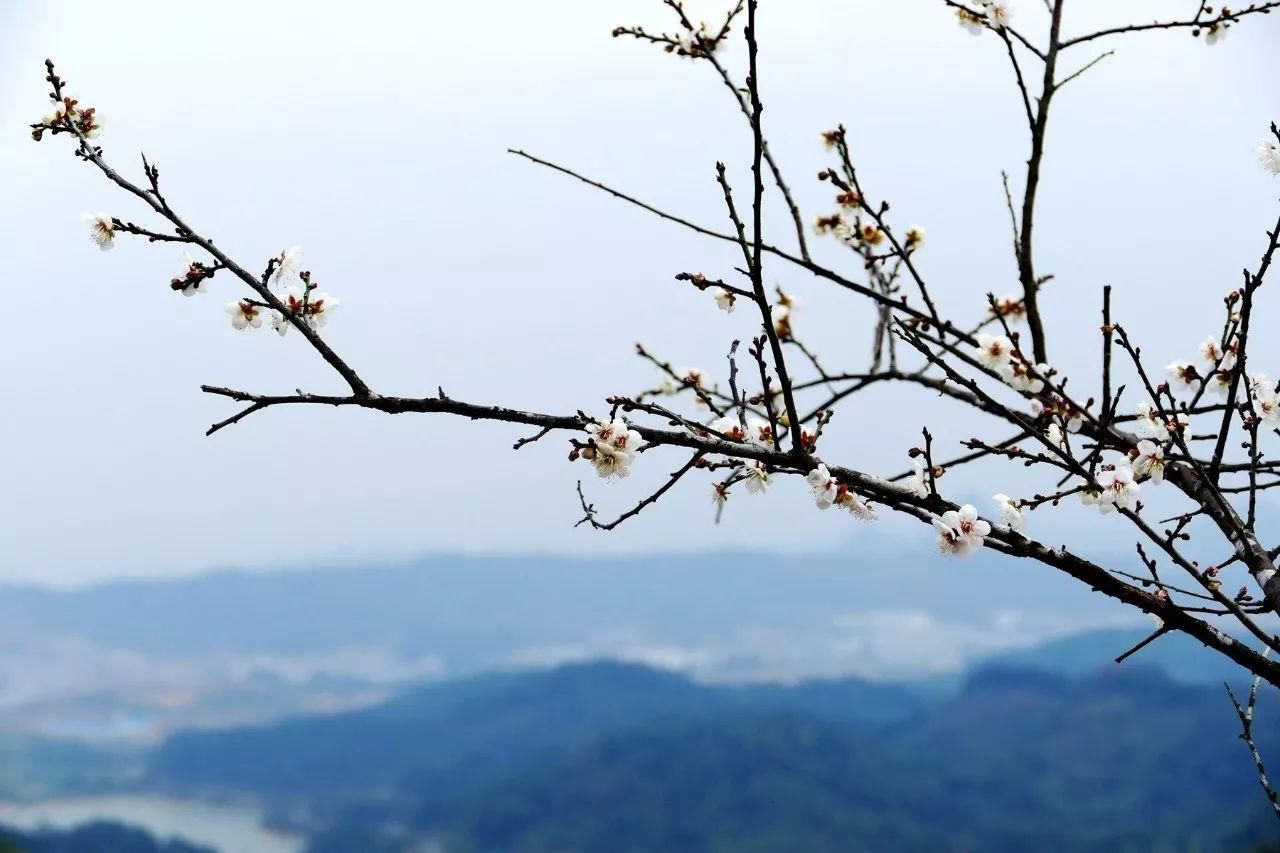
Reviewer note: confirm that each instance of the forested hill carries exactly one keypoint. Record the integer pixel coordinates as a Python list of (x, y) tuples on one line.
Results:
[(616, 758)]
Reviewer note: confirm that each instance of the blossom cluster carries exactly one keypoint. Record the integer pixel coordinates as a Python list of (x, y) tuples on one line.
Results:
[(992, 13), (301, 302), (756, 431), (962, 533), (1216, 31), (611, 448), (1214, 367), (67, 113), (998, 354), (853, 233), (1152, 423), (694, 45), (1064, 418), (828, 491), (194, 278), (1012, 308)]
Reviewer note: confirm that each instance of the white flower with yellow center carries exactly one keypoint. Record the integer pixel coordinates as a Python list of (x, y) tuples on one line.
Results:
[(1118, 488), (1010, 514), (286, 265), (918, 482), (1149, 462), (823, 485), (725, 299), (993, 351), (102, 229), (756, 475), (244, 315), (960, 532)]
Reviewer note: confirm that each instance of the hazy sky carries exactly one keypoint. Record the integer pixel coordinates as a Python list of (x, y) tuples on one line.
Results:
[(373, 135)]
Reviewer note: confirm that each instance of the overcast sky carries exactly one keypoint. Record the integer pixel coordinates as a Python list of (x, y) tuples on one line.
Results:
[(373, 135)]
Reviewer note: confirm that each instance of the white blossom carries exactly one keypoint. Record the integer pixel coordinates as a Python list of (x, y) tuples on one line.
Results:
[(1149, 423), (1269, 155), (1055, 436), (101, 229), (729, 427), (1150, 461), (1266, 405), (870, 234), (1213, 357), (918, 482), (756, 475), (960, 533), (915, 237), (823, 485), (286, 266), (244, 315), (1010, 307), (692, 376), (615, 436), (319, 307), (970, 21), (613, 447), (1220, 383), (993, 351), (1215, 32), (780, 312), (313, 308), (848, 501), (725, 299), (1018, 374), (1010, 515), (57, 111), (90, 122), (759, 432), (1183, 375), (193, 279), (998, 12), (1118, 488), (611, 464), (1090, 496)]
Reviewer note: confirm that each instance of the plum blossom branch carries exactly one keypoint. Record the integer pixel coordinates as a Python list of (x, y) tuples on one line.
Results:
[(1211, 26), (1105, 459)]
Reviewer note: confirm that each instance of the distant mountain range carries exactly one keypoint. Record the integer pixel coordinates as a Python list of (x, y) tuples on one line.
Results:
[(133, 660)]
